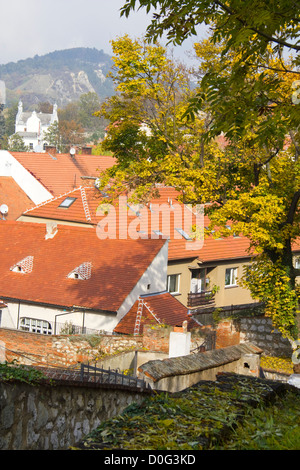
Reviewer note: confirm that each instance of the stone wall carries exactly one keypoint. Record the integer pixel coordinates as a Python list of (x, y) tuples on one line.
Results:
[(259, 330), (46, 417), (61, 350), (177, 373)]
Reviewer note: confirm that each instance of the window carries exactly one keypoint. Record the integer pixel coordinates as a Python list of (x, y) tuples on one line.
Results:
[(67, 202), (82, 272), (297, 263), (173, 283), (230, 277), (183, 233), (36, 326), (23, 266)]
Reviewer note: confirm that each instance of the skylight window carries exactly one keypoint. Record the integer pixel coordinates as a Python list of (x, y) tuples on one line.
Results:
[(183, 234), (158, 232), (67, 202)]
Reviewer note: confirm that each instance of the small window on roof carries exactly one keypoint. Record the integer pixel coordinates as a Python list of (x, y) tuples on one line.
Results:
[(67, 202), (183, 233)]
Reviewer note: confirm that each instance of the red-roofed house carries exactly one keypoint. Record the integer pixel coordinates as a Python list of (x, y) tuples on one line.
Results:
[(192, 272), (159, 308), (43, 176), (51, 275)]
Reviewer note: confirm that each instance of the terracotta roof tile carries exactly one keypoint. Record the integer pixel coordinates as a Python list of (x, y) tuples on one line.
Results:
[(60, 173), (179, 248), (14, 197), (116, 266)]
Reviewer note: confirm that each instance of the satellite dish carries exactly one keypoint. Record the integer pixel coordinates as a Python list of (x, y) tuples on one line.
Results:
[(72, 151), (3, 209)]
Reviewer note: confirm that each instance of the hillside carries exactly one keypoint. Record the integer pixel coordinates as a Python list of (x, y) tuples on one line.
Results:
[(60, 76)]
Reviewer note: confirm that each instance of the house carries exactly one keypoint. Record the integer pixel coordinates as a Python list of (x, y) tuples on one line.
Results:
[(31, 126), (193, 271), (158, 308), (54, 275), (42, 176)]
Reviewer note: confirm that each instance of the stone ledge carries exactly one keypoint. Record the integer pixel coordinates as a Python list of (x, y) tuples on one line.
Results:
[(159, 369)]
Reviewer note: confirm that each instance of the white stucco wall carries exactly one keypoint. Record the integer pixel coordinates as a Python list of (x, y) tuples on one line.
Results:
[(155, 276), (15, 311)]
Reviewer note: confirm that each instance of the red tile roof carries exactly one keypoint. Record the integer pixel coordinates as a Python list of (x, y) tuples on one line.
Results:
[(60, 173), (154, 309), (14, 197), (84, 210), (116, 266)]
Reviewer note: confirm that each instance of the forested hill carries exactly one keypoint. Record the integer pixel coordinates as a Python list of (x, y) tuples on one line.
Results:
[(60, 76)]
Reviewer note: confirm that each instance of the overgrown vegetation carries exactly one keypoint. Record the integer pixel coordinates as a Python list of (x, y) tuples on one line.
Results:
[(11, 371), (268, 428), (278, 364), (205, 417)]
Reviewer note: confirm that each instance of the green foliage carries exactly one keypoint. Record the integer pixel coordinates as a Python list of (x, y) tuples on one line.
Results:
[(250, 25), (252, 181), (270, 283), (16, 144), (268, 428), (198, 418), (10, 371)]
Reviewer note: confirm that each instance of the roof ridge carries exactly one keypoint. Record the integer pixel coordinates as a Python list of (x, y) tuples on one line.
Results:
[(85, 204)]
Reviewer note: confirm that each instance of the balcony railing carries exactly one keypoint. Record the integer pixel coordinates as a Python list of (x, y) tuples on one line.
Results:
[(201, 299)]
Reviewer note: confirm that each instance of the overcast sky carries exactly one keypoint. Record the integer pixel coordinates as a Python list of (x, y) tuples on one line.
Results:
[(33, 27)]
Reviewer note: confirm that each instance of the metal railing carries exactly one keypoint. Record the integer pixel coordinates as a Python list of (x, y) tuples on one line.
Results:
[(89, 373)]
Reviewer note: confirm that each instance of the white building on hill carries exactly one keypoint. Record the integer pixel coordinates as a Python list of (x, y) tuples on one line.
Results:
[(31, 126)]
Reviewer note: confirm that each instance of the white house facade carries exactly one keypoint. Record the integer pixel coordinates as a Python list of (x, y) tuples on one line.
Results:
[(31, 126), (57, 276)]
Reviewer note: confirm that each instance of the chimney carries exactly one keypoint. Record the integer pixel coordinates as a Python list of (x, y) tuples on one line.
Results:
[(51, 230), (50, 149), (86, 150)]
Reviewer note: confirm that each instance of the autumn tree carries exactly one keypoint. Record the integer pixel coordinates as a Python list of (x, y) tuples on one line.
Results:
[(250, 25), (146, 133), (250, 91), (64, 134)]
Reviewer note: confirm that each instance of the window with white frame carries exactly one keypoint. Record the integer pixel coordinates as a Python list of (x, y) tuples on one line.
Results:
[(297, 262), (173, 283), (230, 277), (36, 326)]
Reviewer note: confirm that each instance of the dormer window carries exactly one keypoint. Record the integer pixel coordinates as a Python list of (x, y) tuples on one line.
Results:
[(67, 202), (82, 272), (24, 266)]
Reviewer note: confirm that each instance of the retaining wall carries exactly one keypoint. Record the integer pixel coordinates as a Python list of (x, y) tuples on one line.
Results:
[(55, 417)]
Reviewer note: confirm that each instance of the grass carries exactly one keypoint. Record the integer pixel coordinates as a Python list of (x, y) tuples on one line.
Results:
[(275, 427), (234, 413)]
